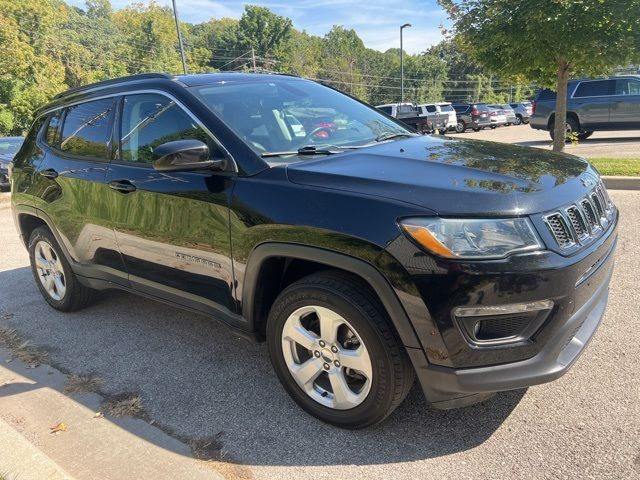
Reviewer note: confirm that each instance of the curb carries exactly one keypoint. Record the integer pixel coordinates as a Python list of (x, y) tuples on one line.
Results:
[(622, 183)]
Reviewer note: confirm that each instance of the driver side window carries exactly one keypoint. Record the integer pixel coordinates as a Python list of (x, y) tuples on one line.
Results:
[(149, 120)]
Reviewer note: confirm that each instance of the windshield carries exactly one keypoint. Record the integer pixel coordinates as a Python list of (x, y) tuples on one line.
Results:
[(284, 116), (10, 146)]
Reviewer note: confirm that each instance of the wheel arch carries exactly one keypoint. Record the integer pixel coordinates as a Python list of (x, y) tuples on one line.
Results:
[(570, 114), (269, 269)]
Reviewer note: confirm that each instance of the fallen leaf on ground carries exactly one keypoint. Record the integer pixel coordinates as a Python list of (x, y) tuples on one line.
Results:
[(98, 415), (58, 428), (7, 316)]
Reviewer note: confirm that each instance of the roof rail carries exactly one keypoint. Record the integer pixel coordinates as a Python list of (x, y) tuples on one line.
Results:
[(114, 81)]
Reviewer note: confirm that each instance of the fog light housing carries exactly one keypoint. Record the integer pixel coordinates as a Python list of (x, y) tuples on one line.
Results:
[(501, 324)]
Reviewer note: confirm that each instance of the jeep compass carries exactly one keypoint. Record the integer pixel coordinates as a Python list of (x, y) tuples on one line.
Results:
[(364, 254)]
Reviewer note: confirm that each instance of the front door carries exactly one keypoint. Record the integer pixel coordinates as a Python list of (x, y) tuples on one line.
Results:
[(172, 227)]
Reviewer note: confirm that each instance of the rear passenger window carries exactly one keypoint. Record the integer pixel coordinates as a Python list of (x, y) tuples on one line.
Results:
[(149, 120), (387, 110), (431, 108), (461, 108), (51, 135), (597, 88), (87, 129)]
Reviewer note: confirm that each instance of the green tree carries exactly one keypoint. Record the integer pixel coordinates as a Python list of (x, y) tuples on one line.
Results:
[(548, 41)]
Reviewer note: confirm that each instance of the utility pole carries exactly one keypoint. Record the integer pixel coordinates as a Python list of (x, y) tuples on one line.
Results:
[(175, 15), (253, 58), (402, 27)]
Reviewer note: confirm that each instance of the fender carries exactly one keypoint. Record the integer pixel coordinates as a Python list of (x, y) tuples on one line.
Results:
[(365, 270)]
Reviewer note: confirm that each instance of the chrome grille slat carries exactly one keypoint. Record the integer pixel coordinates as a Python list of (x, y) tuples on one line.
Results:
[(583, 221)]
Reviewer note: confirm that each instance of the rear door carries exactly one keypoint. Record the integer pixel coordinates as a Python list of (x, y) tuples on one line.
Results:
[(72, 194), (625, 104), (172, 227), (591, 100)]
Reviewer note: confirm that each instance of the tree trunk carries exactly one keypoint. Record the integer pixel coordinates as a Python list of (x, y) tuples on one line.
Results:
[(560, 129)]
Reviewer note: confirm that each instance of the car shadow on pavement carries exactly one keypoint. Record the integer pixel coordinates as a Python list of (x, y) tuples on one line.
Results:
[(198, 380)]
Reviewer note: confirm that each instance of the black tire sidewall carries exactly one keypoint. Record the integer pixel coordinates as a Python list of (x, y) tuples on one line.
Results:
[(43, 234), (379, 400)]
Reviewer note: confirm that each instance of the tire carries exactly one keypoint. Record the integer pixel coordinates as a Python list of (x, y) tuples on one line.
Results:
[(493, 127), (442, 131), (518, 120), (477, 129), (66, 293), (461, 127), (585, 135), (330, 298), (572, 126)]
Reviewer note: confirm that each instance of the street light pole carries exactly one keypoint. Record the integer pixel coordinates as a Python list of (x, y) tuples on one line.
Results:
[(175, 15), (402, 27)]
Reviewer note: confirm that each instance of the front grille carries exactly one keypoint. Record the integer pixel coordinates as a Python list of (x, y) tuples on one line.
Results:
[(559, 229), (583, 221)]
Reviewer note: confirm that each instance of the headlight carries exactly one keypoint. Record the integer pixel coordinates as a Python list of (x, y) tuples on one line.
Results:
[(473, 238)]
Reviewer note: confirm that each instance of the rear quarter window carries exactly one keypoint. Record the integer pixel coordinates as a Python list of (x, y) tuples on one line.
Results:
[(546, 94)]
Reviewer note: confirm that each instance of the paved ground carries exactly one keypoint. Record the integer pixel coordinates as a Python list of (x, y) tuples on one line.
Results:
[(600, 144), (198, 380)]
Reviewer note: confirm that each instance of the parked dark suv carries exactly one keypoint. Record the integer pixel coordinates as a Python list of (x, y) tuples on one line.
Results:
[(472, 115), (363, 262), (605, 104)]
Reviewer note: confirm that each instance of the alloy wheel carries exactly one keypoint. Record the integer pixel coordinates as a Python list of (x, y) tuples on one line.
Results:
[(50, 270), (326, 357)]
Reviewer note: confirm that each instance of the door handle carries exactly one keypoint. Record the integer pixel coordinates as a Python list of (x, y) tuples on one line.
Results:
[(124, 186), (49, 173)]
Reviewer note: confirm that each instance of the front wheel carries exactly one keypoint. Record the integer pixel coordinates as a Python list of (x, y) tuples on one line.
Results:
[(461, 127), (518, 120), (335, 352), (584, 135), (56, 281)]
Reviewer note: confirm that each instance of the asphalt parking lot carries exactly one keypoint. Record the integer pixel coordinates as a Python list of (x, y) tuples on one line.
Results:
[(199, 381), (622, 144)]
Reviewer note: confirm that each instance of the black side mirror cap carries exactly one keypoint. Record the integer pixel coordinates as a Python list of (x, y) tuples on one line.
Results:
[(185, 155)]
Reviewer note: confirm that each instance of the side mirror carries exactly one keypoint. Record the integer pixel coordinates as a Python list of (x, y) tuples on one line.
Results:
[(184, 155)]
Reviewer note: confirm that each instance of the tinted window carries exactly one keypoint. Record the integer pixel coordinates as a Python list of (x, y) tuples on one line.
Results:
[(625, 86), (431, 108), (546, 95), (386, 110), (87, 129), (52, 128), (461, 108), (513, 105), (446, 108), (593, 89), (405, 109), (149, 120)]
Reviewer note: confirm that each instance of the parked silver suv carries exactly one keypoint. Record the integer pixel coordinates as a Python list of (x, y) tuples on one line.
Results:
[(601, 104)]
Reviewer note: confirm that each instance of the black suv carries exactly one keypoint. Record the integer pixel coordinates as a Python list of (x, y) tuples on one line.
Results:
[(364, 255), (603, 104), (472, 115)]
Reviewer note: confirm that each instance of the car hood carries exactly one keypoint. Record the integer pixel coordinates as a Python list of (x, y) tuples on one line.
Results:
[(454, 177)]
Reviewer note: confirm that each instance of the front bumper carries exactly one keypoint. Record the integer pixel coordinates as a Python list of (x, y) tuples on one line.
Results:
[(449, 387), (452, 370)]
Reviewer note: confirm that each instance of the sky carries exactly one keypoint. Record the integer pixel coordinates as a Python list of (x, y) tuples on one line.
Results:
[(377, 22)]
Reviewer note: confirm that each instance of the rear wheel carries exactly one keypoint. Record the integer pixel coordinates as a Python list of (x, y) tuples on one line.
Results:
[(335, 352), (518, 120), (493, 127), (56, 281), (461, 127), (572, 126)]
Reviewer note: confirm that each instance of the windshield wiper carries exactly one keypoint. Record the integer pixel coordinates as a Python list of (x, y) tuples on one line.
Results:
[(390, 135), (308, 150)]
